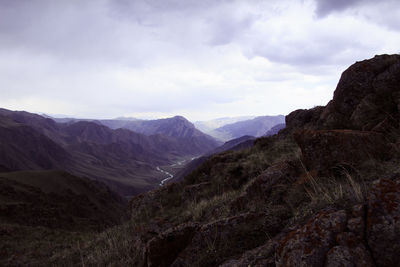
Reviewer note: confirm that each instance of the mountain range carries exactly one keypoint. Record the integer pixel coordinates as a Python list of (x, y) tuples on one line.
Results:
[(233, 128), (123, 159)]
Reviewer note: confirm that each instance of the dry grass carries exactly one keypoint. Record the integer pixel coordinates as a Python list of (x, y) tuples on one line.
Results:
[(332, 190), (218, 204)]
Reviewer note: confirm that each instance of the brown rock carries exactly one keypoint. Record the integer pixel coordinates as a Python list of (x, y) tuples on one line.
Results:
[(364, 95), (303, 117), (326, 149), (383, 222), (308, 245)]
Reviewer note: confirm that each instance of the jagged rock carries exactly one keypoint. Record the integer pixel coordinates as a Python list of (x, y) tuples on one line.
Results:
[(326, 149), (215, 242), (163, 249), (302, 117), (365, 95), (383, 222), (308, 245)]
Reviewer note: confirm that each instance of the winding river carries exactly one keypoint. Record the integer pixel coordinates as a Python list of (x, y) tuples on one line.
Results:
[(170, 175)]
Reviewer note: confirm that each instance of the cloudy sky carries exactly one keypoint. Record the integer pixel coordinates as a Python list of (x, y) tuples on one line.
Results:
[(200, 59)]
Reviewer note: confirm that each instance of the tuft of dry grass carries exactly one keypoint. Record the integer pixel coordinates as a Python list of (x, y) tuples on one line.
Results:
[(218, 204)]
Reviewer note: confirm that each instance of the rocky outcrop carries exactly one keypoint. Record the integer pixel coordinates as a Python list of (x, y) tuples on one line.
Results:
[(303, 117), (325, 149), (366, 95), (383, 222), (308, 245)]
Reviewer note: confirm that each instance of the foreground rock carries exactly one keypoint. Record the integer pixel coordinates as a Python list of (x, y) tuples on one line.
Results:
[(327, 149), (383, 224)]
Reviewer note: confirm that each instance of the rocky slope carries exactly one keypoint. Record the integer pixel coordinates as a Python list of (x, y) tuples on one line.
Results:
[(325, 191)]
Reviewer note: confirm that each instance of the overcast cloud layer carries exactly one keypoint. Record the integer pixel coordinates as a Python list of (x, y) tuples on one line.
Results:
[(200, 59)]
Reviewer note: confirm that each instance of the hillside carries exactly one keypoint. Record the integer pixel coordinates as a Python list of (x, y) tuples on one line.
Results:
[(323, 192), (44, 211), (255, 127)]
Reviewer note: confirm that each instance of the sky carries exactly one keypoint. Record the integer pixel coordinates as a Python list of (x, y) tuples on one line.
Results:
[(199, 59)]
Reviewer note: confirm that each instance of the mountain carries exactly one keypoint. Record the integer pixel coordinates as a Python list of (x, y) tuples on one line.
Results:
[(275, 129), (123, 159), (243, 142), (255, 127), (176, 127), (208, 126), (324, 191)]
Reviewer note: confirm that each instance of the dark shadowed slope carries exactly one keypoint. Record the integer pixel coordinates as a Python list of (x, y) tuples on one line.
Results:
[(24, 147), (57, 199), (44, 212)]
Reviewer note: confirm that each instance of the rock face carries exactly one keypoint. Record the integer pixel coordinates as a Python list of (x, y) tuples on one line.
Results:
[(366, 95), (308, 245), (326, 149), (383, 224)]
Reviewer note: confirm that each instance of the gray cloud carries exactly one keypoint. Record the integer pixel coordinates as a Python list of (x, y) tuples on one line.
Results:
[(119, 57), (325, 7)]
